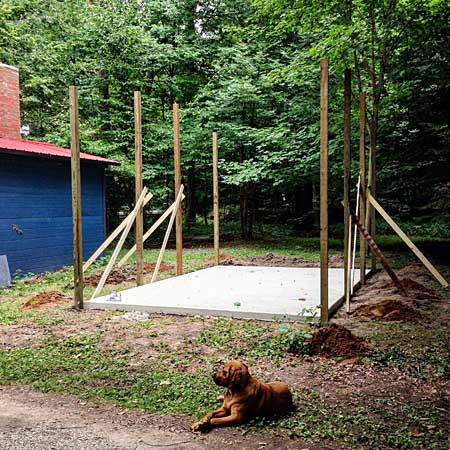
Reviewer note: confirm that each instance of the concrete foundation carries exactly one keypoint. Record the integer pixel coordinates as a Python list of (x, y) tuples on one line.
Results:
[(244, 292)]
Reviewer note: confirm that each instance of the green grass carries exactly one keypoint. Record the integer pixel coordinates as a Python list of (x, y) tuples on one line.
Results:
[(177, 378), (249, 340), (374, 427), (79, 366)]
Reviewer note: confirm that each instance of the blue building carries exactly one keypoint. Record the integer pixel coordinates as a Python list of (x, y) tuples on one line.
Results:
[(36, 205), (36, 199)]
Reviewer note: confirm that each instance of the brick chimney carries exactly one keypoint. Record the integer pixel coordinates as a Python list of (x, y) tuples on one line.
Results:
[(9, 102)]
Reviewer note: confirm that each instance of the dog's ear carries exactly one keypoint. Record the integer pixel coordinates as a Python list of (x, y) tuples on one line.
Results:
[(235, 376)]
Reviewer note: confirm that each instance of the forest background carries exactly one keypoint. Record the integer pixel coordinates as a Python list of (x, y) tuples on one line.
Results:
[(248, 69)]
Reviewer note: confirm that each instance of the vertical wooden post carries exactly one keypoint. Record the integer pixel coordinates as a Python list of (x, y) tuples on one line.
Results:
[(324, 192), (362, 178), (372, 189), (347, 229), (216, 196), (139, 226), (177, 166), (76, 198)]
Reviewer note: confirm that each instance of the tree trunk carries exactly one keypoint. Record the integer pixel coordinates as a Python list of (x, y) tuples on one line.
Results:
[(315, 204)]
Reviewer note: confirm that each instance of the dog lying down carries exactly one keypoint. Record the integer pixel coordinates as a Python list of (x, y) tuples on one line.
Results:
[(245, 398)]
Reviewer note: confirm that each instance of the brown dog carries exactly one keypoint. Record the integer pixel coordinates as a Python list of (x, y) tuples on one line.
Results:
[(245, 398)]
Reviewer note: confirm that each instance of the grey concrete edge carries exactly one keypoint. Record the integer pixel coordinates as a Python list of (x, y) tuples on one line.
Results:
[(116, 306)]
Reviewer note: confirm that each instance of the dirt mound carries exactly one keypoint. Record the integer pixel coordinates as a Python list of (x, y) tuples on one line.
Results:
[(418, 291), (274, 260), (415, 269), (389, 310), (415, 289), (224, 258), (46, 298), (126, 273), (115, 277), (335, 340), (291, 261), (34, 280)]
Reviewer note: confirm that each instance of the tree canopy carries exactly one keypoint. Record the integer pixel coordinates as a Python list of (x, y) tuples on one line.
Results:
[(249, 70)]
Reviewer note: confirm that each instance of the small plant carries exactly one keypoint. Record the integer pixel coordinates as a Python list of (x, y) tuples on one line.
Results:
[(295, 340)]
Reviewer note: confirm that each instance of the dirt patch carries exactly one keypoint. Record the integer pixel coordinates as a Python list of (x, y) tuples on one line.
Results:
[(389, 310), (418, 291), (380, 300), (224, 259), (126, 273), (40, 421), (34, 280), (271, 259), (336, 340), (46, 298)]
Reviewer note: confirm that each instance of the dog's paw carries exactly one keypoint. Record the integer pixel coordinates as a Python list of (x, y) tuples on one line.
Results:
[(201, 425)]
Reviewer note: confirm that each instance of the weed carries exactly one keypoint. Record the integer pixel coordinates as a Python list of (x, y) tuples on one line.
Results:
[(294, 340)]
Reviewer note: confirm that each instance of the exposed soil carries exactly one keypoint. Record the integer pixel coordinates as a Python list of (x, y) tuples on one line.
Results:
[(274, 260), (336, 340), (388, 310), (224, 259), (126, 273), (379, 299), (31, 420), (46, 299), (34, 280), (418, 291)]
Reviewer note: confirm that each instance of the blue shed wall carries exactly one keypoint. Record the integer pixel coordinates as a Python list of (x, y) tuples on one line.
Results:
[(36, 212)]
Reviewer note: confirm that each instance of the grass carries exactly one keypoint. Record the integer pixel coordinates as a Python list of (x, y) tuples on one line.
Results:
[(420, 351), (79, 365), (174, 377)]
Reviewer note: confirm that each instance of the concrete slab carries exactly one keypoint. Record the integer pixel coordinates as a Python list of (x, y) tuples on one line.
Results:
[(244, 292)]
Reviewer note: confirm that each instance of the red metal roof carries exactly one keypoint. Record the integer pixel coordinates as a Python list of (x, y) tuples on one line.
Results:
[(44, 148)]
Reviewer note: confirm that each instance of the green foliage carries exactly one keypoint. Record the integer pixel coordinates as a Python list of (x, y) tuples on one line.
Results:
[(78, 365), (250, 341), (249, 70), (295, 340)]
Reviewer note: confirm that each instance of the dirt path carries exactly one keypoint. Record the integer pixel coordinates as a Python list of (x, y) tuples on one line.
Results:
[(31, 420)]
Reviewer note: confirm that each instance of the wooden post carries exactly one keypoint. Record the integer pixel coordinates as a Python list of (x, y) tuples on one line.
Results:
[(112, 236), (149, 232), (324, 192), (139, 227), (376, 251), (347, 227), (76, 199), (352, 280), (119, 245), (407, 241), (372, 188), (177, 164), (166, 236), (362, 177), (216, 196), (348, 273)]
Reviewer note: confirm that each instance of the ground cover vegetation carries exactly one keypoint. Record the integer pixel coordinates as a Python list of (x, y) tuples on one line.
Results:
[(249, 70), (163, 364)]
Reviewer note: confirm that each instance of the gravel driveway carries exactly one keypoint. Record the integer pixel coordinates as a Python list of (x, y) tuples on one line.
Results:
[(31, 420)]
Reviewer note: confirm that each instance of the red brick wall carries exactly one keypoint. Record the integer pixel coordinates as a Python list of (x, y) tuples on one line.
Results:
[(9, 102)]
